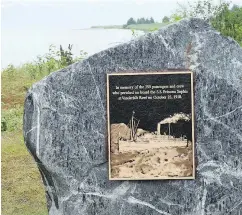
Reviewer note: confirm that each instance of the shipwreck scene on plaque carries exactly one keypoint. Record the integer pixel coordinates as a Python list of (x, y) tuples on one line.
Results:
[(150, 125)]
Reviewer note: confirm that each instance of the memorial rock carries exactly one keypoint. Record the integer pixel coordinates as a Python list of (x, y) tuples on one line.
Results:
[(65, 128)]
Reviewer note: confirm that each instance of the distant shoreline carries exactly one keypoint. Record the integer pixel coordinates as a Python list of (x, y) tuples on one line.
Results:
[(108, 26), (141, 27)]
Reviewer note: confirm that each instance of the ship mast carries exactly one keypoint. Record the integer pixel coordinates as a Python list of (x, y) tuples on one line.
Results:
[(133, 125)]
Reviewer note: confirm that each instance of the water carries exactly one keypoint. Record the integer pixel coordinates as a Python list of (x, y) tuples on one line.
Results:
[(20, 46)]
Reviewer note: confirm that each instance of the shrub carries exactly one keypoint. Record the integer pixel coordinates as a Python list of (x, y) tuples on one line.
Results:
[(12, 119)]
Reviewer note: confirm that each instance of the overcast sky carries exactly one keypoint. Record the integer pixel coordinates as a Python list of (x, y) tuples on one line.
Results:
[(76, 14)]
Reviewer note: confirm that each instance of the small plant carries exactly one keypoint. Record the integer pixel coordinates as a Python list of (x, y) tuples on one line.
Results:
[(66, 56), (10, 70), (81, 56), (32, 70), (134, 33), (40, 64)]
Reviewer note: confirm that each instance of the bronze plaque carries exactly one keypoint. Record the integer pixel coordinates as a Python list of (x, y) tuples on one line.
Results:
[(150, 125)]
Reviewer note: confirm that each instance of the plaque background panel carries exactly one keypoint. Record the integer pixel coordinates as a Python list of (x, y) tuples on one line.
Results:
[(150, 112)]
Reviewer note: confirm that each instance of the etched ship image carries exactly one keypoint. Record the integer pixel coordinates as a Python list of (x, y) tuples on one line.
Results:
[(166, 152)]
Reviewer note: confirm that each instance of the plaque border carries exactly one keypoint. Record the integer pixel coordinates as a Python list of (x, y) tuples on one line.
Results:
[(159, 72)]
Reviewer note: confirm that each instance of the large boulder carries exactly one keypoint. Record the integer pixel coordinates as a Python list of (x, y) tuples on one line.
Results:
[(65, 128)]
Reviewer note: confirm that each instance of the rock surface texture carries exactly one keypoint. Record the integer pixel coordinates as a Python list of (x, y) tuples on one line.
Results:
[(65, 128)]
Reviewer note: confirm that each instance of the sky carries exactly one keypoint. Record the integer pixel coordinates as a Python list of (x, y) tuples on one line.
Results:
[(29, 27), (78, 14)]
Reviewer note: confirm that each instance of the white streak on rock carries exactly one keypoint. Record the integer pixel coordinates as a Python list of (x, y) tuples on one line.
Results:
[(121, 190), (121, 210), (226, 114), (227, 127), (108, 196), (38, 132), (204, 200), (168, 48), (97, 88), (235, 206), (169, 203), (35, 127), (194, 57), (133, 200)]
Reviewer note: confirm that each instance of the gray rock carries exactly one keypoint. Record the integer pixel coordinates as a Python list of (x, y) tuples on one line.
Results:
[(65, 128)]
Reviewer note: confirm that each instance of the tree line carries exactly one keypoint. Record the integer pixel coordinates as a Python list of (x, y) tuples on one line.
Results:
[(142, 20)]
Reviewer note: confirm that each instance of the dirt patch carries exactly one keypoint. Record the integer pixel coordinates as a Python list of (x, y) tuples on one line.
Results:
[(122, 158), (153, 163)]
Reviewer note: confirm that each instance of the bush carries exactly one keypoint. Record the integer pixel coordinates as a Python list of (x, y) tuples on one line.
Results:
[(17, 80), (54, 60), (225, 18), (12, 119)]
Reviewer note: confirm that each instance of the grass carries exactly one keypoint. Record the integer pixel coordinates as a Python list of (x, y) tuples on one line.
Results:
[(13, 94), (108, 26), (14, 89), (22, 189), (146, 27), (141, 27)]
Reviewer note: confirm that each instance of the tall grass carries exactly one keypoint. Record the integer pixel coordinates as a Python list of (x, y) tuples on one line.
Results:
[(22, 189), (17, 80)]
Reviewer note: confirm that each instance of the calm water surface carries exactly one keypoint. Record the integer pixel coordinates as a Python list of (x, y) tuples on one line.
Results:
[(21, 46)]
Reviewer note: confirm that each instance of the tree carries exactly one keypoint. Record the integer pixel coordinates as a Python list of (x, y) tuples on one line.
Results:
[(224, 17), (229, 22), (165, 19), (203, 9), (147, 21), (139, 21), (152, 20), (131, 21), (142, 20)]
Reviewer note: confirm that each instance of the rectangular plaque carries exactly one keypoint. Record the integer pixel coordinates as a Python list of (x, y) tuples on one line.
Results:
[(150, 125)]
